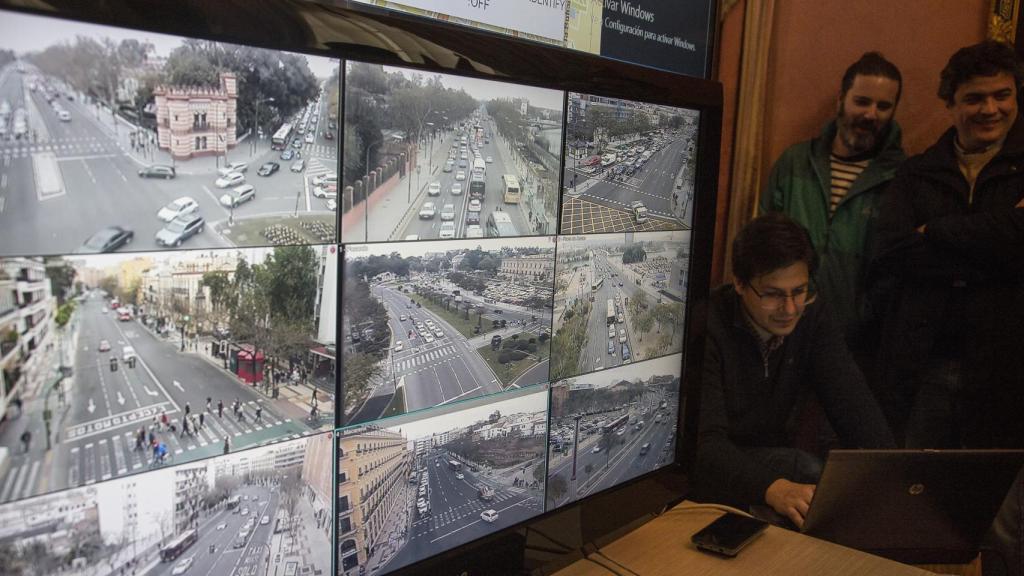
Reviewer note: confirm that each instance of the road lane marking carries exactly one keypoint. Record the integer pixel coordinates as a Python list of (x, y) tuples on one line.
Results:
[(153, 376), (19, 481)]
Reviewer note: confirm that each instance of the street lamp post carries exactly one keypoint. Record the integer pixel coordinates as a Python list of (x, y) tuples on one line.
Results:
[(256, 123)]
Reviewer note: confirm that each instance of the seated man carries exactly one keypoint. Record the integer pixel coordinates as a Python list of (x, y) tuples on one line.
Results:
[(769, 340)]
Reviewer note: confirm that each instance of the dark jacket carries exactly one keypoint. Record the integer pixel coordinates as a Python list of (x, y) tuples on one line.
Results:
[(800, 186), (962, 277), (745, 404)]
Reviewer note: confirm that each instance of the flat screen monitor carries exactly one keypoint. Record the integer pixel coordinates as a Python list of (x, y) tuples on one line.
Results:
[(502, 238)]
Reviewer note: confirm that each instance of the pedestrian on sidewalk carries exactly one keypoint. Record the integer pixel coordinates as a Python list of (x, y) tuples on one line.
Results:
[(26, 439), (220, 408), (227, 444)]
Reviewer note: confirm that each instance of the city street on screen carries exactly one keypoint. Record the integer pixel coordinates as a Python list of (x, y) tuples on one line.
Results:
[(260, 511), (184, 143), (610, 426), (619, 299), (628, 166), (129, 362), (430, 323), (441, 156), (411, 487)]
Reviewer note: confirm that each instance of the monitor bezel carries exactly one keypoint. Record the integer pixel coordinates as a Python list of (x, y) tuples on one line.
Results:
[(436, 46)]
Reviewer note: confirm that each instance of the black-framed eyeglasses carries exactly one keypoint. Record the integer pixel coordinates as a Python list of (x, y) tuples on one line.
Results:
[(773, 300)]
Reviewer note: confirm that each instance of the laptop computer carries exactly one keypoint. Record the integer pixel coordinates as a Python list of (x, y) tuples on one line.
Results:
[(913, 506)]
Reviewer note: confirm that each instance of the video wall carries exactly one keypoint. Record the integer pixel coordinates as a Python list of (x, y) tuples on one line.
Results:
[(189, 232)]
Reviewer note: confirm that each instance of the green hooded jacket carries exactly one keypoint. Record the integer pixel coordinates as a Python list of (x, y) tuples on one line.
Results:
[(799, 186)]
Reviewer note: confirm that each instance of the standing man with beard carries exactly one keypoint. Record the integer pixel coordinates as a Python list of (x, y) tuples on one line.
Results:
[(832, 185)]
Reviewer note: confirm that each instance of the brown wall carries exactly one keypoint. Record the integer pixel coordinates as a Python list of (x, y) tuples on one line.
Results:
[(730, 43), (814, 42)]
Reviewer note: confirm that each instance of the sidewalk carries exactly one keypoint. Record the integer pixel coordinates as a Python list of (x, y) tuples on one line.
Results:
[(512, 159), (42, 373), (394, 535), (294, 400), (146, 152), (390, 204), (307, 545)]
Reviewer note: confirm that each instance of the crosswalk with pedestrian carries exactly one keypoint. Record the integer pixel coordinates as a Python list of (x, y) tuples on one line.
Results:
[(117, 454)]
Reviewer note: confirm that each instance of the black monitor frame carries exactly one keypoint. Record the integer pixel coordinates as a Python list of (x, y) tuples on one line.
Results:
[(350, 31)]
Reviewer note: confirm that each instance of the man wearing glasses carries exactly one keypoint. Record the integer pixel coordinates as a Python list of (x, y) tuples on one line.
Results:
[(771, 340)]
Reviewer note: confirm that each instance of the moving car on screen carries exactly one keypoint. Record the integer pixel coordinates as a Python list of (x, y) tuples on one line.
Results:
[(157, 171), (639, 211), (268, 168), (230, 179), (239, 195), (447, 230), (180, 229), (183, 206), (108, 239)]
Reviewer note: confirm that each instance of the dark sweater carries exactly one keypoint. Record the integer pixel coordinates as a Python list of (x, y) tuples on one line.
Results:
[(746, 402)]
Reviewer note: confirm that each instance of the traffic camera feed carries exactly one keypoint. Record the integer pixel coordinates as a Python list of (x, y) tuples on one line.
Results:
[(415, 143), (169, 292), (429, 323), (412, 487), (106, 129), (619, 299), (252, 512), (611, 426), (628, 166), (128, 362)]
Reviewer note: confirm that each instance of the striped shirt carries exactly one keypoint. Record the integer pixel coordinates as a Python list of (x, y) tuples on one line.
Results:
[(843, 173)]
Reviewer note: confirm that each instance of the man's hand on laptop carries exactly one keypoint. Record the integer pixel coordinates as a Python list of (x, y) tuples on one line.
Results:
[(790, 499)]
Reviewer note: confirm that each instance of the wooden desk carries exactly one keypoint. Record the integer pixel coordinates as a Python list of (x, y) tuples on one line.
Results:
[(662, 546)]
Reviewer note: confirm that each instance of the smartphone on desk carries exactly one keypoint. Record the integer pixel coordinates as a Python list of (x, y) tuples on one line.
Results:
[(728, 534)]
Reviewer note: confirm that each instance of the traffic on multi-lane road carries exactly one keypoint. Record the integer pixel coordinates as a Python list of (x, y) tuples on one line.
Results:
[(618, 300), (628, 166), (458, 475), (133, 370), (611, 426), (436, 327), (259, 512), (457, 158), (175, 158)]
